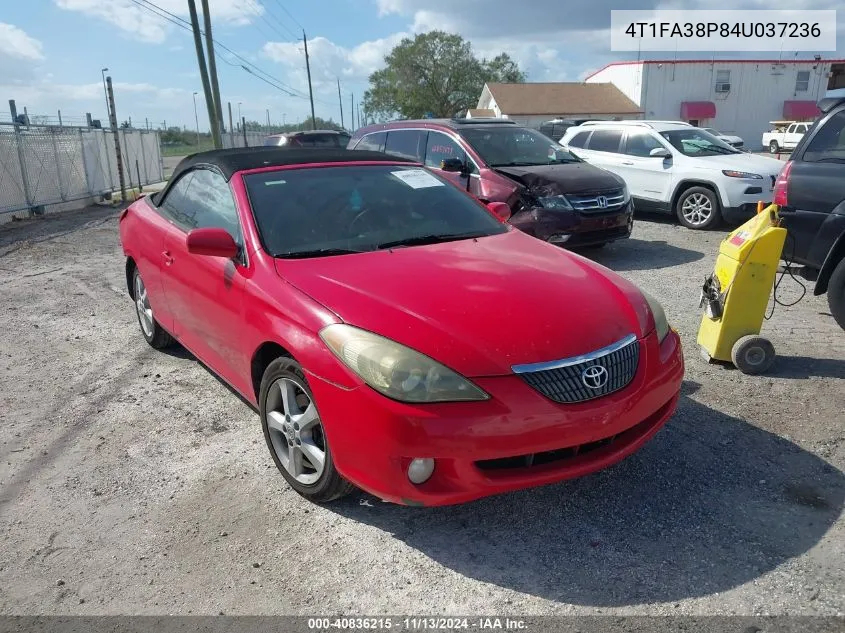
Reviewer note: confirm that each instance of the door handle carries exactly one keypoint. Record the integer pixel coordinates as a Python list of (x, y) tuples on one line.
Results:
[(168, 259), (627, 162)]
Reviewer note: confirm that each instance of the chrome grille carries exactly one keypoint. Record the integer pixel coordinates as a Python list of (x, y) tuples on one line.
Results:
[(597, 202), (573, 379)]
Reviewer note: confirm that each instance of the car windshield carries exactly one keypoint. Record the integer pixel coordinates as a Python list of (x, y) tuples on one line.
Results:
[(314, 212), (697, 142), (511, 146)]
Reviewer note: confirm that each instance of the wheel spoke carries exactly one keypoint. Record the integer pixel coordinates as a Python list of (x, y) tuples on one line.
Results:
[(314, 454), (294, 464), (288, 396), (308, 419), (276, 421)]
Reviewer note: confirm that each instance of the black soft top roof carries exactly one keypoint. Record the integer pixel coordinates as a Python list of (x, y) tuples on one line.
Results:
[(230, 161)]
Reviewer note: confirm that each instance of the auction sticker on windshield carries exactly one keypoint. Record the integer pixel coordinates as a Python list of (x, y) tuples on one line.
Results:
[(417, 178)]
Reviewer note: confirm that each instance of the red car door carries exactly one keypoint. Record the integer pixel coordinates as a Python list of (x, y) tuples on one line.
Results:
[(205, 293), (148, 229), (440, 147)]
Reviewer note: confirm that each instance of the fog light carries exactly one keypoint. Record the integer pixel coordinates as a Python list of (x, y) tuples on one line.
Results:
[(420, 469)]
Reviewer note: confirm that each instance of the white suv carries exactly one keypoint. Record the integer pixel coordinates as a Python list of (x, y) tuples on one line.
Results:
[(671, 166)]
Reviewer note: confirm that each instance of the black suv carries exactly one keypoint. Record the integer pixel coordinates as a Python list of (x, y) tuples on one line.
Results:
[(810, 192)]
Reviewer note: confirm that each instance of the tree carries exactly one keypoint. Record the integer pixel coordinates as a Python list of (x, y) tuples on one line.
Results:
[(125, 125), (435, 73)]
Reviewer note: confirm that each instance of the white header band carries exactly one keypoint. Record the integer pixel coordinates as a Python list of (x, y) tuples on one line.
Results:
[(721, 30)]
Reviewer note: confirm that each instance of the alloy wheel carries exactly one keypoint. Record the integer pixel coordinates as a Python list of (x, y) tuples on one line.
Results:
[(142, 305), (697, 209), (295, 431)]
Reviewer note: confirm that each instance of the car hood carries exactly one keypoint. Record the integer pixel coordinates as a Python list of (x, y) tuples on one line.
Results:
[(478, 306), (762, 165), (566, 178)]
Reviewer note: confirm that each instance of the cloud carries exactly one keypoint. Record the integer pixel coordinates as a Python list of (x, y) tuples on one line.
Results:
[(330, 60), (146, 26), (19, 54), (17, 44)]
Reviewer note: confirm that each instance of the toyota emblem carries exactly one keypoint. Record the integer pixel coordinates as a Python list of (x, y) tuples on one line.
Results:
[(602, 202), (594, 377)]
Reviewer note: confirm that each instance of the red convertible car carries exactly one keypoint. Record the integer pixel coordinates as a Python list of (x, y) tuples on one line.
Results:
[(394, 333)]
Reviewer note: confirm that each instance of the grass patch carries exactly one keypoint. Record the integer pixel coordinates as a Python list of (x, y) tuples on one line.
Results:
[(184, 150)]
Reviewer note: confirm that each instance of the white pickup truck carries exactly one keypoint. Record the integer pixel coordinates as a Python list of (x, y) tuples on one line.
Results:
[(784, 135)]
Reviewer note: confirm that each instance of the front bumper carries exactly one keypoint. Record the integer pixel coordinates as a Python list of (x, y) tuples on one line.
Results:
[(741, 196), (373, 438), (573, 228)]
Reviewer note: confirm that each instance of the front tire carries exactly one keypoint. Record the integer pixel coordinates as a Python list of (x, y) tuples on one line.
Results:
[(698, 209), (294, 433), (774, 148), (153, 333), (836, 294)]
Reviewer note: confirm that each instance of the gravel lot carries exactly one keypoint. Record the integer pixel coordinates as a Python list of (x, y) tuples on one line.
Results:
[(134, 482)]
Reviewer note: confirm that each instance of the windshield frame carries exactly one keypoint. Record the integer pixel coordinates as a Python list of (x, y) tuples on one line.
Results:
[(466, 134), (666, 135), (497, 227)]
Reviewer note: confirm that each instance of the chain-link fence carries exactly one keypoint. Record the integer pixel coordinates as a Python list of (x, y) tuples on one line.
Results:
[(249, 138), (40, 166)]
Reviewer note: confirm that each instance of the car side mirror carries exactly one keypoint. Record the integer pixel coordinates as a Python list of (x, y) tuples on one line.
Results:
[(660, 152), (454, 165), (500, 209), (214, 242)]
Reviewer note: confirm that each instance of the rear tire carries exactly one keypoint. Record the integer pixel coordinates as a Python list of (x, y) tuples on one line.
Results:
[(698, 209), (287, 439), (836, 294), (753, 354), (152, 332), (774, 148)]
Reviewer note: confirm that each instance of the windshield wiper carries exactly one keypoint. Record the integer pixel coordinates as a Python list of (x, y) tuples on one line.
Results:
[(516, 164), (319, 252), (421, 240)]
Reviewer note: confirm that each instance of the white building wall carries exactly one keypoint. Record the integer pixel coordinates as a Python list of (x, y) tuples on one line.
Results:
[(757, 93), (627, 77)]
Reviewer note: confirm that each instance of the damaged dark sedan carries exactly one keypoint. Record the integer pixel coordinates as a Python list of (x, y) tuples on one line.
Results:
[(553, 195)]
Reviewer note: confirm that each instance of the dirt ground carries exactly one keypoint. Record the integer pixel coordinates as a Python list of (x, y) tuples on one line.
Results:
[(133, 482)]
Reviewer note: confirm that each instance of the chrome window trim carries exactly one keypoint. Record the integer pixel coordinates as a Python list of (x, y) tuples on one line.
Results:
[(575, 360)]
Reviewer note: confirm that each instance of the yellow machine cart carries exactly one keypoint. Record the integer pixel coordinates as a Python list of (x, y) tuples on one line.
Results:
[(736, 295)]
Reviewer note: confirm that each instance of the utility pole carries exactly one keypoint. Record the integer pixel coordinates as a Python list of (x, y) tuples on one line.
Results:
[(268, 119), (105, 92), (231, 127), (113, 117), (352, 111), (310, 89), (340, 101), (197, 120), (358, 109), (206, 86), (212, 70)]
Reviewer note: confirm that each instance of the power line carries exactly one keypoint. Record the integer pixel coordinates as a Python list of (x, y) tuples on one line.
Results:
[(175, 19), (289, 13), (279, 22), (257, 12)]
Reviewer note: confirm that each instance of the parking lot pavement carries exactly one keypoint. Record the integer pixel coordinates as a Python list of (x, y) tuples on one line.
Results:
[(133, 482)]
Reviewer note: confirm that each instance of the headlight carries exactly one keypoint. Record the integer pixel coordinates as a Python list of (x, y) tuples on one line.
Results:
[(555, 202), (741, 174), (660, 322), (397, 371)]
